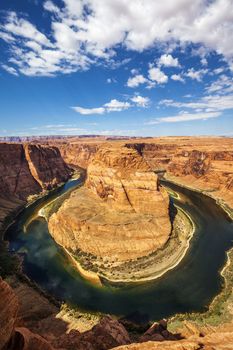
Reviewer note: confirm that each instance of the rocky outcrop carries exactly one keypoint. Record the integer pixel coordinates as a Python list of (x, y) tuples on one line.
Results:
[(46, 165), (107, 334), (23, 339), (121, 214), (125, 181), (27, 170), (78, 153), (206, 338), (204, 164), (8, 312)]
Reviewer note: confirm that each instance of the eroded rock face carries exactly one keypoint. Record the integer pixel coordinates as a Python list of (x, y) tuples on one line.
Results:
[(46, 165), (107, 334), (8, 312), (202, 163), (78, 154), (24, 339), (123, 179), (27, 170), (120, 214)]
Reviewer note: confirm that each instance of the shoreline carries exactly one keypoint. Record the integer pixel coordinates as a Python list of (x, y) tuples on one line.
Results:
[(157, 275), (88, 275), (175, 259), (225, 268), (205, 317), (220, 202)]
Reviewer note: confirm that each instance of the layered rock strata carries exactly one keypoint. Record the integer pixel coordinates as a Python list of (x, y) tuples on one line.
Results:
[(121, 214), (27, 170), (204, 164)]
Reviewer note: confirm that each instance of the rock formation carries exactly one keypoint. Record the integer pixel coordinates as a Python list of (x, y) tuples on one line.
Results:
[(204, 164), (8, 312), (27, 170), (107, 334), (121, 213)]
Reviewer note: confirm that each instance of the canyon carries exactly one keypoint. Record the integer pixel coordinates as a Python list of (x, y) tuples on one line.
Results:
[(203, 163), (122, 194)]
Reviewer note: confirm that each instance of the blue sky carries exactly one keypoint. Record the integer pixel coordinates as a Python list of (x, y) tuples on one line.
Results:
[(119, 67)]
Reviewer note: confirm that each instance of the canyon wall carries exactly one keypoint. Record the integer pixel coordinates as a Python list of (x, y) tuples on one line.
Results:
[(204, 164), (78, 154), (27, 170), (45, 330)]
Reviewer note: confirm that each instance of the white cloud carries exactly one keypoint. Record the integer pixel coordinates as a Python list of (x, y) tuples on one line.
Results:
[(136, 81), (116, 106), (89, 111), (196, 74), (155, 74), (204, 61), (6, 37), (215, 102), (218, 70), (185, 117), (21, 27), (51, 7), (86, 31), (222, 85), (9, 69), (141, 101), (168, 61), (177, 77), (134, 71)]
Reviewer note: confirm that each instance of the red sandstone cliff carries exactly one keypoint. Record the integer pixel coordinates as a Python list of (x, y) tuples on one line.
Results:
[(201, 163), (27, 170)]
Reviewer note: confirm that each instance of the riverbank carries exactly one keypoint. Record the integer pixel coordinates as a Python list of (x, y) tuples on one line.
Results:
[(155, 265), (220, 310), (219, 201), (107, 291), (143, 269)]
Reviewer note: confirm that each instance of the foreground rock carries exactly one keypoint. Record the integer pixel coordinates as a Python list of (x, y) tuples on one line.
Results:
[(8, 312), (121, 214)]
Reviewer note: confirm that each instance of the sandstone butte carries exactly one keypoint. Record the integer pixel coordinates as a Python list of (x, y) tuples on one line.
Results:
[(121, 214)]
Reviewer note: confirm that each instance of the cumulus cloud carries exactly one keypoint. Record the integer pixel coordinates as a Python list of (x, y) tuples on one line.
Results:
[(177, 77), (168, 61), (111, 106), (141, 101), (155, 74), (114, 106), (83, 32), (196, 74), (136, 81)]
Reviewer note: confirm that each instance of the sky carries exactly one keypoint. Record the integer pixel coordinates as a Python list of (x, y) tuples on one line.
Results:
[(116, 67)]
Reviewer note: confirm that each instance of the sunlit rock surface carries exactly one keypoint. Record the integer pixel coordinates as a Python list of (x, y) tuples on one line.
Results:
[(120, 214)]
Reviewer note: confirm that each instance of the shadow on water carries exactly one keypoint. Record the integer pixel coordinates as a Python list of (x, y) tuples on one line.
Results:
[(189, 287)]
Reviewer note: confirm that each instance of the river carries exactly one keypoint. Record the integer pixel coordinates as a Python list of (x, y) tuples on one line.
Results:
[(191, 286)]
